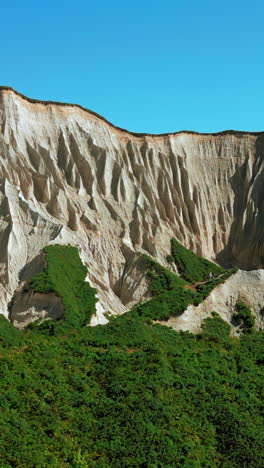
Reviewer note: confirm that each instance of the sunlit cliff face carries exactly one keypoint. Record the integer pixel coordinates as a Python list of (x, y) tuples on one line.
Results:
[(68, 176)]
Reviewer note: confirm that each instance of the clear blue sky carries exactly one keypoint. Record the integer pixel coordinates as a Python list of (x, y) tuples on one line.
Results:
[(146, 66)]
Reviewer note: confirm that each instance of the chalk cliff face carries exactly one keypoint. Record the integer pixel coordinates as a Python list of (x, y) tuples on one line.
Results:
[(69, 176)]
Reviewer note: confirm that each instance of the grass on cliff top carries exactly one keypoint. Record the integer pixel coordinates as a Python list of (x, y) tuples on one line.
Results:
[(65, 275)]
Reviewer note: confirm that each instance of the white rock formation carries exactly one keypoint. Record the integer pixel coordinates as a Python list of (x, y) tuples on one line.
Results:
[(69, 176)]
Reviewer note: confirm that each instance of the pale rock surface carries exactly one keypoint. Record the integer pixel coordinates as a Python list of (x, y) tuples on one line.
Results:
[(69, 176)]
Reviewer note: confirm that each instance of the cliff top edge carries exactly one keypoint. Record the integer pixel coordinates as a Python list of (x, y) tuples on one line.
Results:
[(137, 134)]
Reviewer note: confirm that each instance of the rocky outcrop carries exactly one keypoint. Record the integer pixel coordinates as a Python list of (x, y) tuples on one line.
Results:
[(28, 306), (69, 176)]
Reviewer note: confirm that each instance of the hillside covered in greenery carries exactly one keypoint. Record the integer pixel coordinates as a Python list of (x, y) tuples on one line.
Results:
[(130, 393), (190, 266), (172, 293), (64, 275)]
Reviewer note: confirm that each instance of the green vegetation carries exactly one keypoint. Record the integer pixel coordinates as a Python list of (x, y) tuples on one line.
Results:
[(65, 276), (190, 266), (9, 335), (172, 294), (167, 304), (161, 279), (215, 329), (131, 394), (243, 318), (205, 288)]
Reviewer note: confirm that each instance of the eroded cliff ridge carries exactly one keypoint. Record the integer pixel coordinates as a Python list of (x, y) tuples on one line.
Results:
[(68, 176)]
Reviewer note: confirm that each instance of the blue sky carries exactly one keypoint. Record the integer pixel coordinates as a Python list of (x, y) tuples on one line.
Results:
[(146, 66)]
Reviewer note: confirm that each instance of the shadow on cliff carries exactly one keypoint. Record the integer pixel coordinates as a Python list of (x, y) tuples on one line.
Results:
[(34, 267), (244, 248)]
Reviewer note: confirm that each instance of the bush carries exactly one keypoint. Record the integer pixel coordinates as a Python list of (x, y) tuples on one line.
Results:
[(206, 288), (167, 304), (132, 394), (243, 317), (161, 279), (170, 259), (172, 295), (215, 328), (8, 333), (190, 266)]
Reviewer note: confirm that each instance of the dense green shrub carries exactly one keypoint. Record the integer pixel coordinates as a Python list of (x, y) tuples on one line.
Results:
[(65, 275), (243, 317), (205, 288), (215, 329), (173, 296), (190, 266), (161, 279), (170, 259), (132, 394), (168, 303), (8, 334)]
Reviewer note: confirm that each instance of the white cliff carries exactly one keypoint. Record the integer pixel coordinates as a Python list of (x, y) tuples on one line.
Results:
[(69, 176)]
